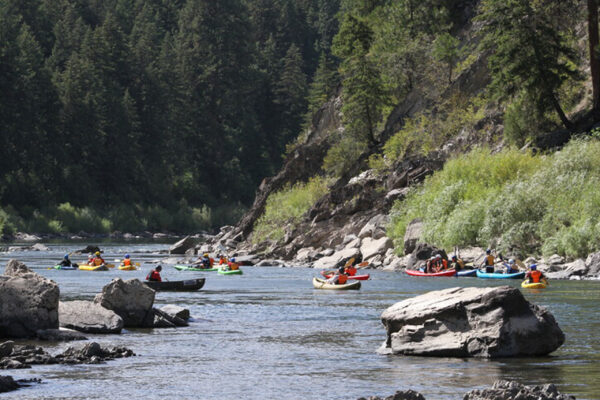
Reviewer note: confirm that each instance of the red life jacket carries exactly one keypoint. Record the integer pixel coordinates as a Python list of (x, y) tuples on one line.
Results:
[(154, 276), (351, 271), (342, 279), (127, 262), (535, 276)]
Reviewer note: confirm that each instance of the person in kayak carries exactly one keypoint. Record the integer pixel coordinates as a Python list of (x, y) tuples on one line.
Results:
[(90, 259), (488, 262), (339, 278), (350, 270), (511, 267), (457, 263), (232, 265), (126, 261), (222, 259), (154, 275), (535, 276), (66, 262), (441, 263), (98, 260)]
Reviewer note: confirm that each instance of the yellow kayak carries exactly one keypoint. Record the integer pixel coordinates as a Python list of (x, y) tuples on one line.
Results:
[(132, 267), (536, 285), (87, 267)]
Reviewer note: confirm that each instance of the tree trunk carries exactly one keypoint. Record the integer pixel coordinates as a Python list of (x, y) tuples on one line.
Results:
[(594, 60), (561, 114)]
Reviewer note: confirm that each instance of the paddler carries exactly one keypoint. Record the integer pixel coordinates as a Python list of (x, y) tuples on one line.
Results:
[(98, 260), (339, 278), (511, 268), (350, 270), (457, 263), (488, 262), (66, 262), (232, 265), (535, 276), (222, 259), (126, 261), (154, 275)]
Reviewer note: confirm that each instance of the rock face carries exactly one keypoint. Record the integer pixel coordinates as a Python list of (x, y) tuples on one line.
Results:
[(337, 259), (513, 390), (414, 232), (131, 300), (183, 245), (28, 302), (471, 322), (89, 317)]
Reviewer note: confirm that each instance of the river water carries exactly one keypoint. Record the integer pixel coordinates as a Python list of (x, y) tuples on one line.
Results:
[(268, 334)]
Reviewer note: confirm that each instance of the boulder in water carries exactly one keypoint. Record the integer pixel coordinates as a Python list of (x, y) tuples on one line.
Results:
[(183, 245), (514, 390), (29, 302), (131, 300), (471, 322), (89, 317)]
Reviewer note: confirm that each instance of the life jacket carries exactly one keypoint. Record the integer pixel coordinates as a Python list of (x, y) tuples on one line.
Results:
[(351, 271), (98, 261), (206, 262), (234, 266), (222, 261), (127, 262), (342, 279), (444, 263), (535, 276), (489, 260), (212, 261), (154, 276)]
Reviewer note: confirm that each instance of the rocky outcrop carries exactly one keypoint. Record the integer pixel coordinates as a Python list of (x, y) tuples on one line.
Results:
[(176, 311), (29, 302), (88, 317), (399, 395), (183, 245), (164, 319), (337, 259), (471, 322), (88, 249), (413, 234), (513, 390), (131, 300), (91, 353)]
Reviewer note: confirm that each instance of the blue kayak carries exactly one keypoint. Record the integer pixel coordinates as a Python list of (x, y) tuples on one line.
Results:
[(467, 272), (498, 275)]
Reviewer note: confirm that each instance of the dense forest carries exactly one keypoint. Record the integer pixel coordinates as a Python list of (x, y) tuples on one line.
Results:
[(152, 114)]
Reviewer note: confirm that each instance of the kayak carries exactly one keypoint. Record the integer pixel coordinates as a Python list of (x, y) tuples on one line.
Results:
[(322, 284), (87, 267), (128, 267), (190, 285), (412, 272), (190, 268), (329, 274), (497, 275), (69, 268), (536, 285), (467, 272), (230, 272)]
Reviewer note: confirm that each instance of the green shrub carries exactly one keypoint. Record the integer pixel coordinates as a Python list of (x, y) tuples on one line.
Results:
[(524, 203), (287, 207), (342, 155)]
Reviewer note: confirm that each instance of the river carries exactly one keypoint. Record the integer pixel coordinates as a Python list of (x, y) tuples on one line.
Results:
[(268, 334)]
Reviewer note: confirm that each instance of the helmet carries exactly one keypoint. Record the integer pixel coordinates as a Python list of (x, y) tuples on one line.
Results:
[(454, 257), (232, 259), (341, 270), (511, 261), (66, 256), (533, 267), (97, 253), (126, 255), (488, 251), (158, 267), (438, 256), (205, 254)]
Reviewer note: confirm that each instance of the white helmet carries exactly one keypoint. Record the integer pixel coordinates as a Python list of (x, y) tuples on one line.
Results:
[(511, 261)]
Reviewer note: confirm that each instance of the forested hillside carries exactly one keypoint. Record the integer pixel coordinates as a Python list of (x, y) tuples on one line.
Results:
[(152, 114), (480, 89)]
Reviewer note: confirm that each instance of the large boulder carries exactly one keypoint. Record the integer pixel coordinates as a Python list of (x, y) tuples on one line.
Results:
[(28, 302), (337, 259), (471, 322), (375, 228), (183, 245), (372, 247), (176, 311), (575, 268), (592, 263), (501, 390), (131, 300), (413, 234), (89, 317)]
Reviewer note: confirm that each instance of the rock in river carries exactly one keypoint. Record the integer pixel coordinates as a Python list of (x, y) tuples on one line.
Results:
[(131, 300), (514, 390), (29, 302), (471, 322), (89, 317)]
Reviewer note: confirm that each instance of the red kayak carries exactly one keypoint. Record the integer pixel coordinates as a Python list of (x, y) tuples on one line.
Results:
[(329, 274), (412, 272)]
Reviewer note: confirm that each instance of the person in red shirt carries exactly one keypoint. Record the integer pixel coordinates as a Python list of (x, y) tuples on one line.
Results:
[(154, 275)]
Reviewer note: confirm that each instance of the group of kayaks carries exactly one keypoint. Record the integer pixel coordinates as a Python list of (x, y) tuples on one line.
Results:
[(481, 274)]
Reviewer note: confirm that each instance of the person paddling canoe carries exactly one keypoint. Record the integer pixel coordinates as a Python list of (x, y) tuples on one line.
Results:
[(154, 275), (339, 278)]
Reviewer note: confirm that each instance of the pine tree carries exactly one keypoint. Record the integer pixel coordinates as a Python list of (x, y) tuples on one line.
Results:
[(323, 86)]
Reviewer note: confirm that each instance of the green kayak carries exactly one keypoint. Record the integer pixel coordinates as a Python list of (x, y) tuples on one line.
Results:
[(190, 268), (69, 268), (230, 272)]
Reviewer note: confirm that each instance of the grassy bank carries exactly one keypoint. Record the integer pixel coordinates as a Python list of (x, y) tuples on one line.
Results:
[(66, 218), (515, 201), (287, 207)]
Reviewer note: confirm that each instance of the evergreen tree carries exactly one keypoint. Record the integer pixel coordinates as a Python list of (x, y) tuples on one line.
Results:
[(528, 52), (323, 86)]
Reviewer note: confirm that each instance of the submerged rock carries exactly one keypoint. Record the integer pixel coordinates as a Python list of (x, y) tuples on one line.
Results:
[(471, 322), (7, 384), (513, 390), (131, 300), (29, 302), (89, 317)]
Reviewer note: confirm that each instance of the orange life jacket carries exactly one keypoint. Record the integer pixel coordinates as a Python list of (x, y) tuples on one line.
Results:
[(351, 271), (98, 261), (489, 260), (535, 276), (127, 262), (212, 261), (222, 261), (444, 263), (342, 279), (233, 266)]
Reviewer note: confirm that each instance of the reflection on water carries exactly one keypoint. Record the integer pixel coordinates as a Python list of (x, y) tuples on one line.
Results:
[(269, 334)]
